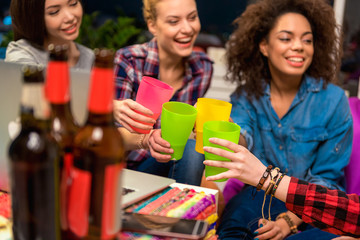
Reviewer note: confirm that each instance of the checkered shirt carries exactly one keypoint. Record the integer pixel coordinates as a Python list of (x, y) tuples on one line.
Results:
[(133, 62), (330, 210)]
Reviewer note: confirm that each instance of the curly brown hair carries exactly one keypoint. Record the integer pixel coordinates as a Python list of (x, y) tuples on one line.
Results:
[(248, 67)]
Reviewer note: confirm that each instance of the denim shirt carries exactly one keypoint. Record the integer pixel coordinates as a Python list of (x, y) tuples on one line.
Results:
[(312, 141)]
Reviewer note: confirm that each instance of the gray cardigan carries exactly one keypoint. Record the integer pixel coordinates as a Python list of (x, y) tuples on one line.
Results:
[(22, 51)]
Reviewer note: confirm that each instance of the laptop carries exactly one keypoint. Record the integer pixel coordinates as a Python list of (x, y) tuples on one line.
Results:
[(137, 185)]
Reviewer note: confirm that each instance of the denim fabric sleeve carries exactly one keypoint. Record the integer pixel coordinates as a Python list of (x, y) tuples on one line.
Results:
[(243, 114), (334, 153)]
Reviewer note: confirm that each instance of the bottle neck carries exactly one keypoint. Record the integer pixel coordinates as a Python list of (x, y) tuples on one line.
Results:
[(62, 110), (101, 91), (57, 82), (100, 119), (34, 109)]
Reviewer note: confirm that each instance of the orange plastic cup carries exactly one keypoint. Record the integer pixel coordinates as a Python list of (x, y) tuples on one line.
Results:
[(209, 110)]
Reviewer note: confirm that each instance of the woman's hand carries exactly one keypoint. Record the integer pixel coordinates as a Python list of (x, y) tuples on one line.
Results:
[(243, 166), (159, 148), (272, 230), (130, 113)]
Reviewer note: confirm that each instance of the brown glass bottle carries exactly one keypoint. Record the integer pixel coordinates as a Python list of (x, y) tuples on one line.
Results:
[(63, 126), (94, 208), (34, 166)]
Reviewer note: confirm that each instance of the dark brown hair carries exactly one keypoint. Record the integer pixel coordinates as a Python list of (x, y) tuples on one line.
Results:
[(28, 21), (248, 67)]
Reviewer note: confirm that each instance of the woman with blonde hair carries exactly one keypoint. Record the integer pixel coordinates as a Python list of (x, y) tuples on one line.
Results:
[(169, 57)]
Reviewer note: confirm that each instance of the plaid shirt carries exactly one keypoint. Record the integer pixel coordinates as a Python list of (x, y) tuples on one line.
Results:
[(330, 210), (133, 62)]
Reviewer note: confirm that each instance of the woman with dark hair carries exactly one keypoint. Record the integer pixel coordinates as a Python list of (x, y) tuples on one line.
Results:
[(284, 55), (38, 23)]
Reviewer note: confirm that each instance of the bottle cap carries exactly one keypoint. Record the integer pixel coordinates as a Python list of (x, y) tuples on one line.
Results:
[(58, 52), (33, 73), (104, 58)]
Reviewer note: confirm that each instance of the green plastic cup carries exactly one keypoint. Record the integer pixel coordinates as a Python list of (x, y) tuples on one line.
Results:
[(177, 122), (219, 129)]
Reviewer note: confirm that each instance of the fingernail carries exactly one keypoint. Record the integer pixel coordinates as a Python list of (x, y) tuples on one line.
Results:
[(261, 225), (256, 232)]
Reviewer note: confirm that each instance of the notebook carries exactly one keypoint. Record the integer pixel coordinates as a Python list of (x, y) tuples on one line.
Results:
[(137, 185)]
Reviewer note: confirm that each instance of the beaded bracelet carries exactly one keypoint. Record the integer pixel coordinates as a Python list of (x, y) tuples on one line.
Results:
[(272, 181), (140, 143), (293, 227), (277, 184), (263, 178)]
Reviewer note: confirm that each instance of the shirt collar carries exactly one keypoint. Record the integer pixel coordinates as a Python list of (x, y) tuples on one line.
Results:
[(151, 67), (193, 63), (308, 84)]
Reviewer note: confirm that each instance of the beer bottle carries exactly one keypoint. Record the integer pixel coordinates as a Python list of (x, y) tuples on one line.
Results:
[(63, 126), (94, 206), (34, 165)]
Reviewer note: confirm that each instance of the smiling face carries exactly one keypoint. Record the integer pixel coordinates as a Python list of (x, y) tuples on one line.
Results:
[(62, 20), (176, 27), (289, 46)]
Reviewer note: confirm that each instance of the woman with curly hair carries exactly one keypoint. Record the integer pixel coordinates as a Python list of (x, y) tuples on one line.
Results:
[(285, 54)]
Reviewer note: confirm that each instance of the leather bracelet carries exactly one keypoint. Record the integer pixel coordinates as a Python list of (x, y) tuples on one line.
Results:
[(272, 181), (263, 178), (293, 227)]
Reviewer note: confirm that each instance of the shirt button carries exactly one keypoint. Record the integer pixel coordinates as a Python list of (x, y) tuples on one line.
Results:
[(279, 125), (281, 147)]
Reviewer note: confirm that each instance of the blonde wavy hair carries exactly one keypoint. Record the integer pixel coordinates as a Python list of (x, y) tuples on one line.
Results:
[(149, 9)]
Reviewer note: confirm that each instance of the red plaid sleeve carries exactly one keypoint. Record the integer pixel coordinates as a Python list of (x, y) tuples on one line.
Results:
[(330, 210)]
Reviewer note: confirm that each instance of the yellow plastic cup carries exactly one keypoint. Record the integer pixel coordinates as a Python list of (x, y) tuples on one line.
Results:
[(209, 109), (177, 122), (219, 129)]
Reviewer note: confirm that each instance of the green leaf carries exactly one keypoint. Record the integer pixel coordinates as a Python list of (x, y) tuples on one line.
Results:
[(111, 34)]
